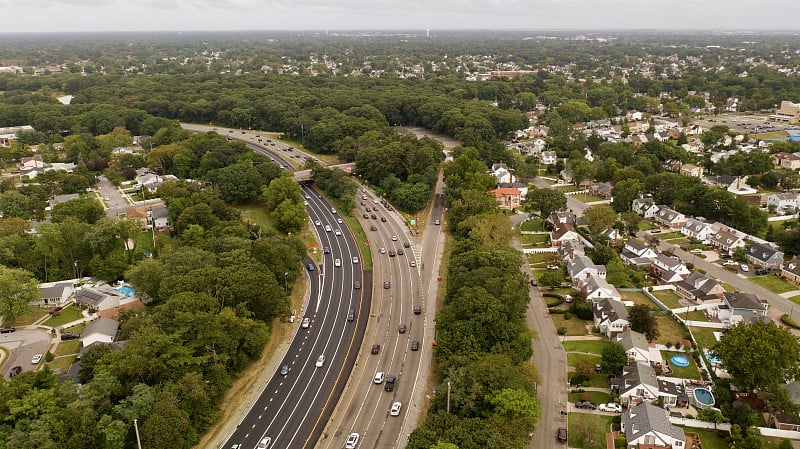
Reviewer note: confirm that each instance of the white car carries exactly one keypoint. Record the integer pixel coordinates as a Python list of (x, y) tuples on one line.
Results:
[(306, 323), (333, 210), (395, 410), (378, 379), (318, 223), (394, 238), (610, 407), (382, 250), (337, 232), (264, 443), (36, 359), (339, 220), (552, 267), (729, 263), (355, 260), (744, 267), (328, 228), (413, 263), (305, 203), (352, 441), (320, 361), (337, 262)]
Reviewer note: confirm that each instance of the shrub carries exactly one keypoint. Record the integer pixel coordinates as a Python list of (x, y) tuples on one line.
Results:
[(557, 311), (562, 331), (668, 344), (582, 310), (787, 320), (567, 315)]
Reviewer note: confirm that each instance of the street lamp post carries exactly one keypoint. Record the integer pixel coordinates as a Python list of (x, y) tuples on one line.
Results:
[(448, 397), (136, 428), (285, 282)]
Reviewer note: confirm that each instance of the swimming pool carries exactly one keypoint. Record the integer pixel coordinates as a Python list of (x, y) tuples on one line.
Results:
[(712, 358), (680, 360), (126, 290), (703, 397)]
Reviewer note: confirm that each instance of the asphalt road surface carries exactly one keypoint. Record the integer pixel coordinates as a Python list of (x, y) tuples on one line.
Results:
[(22, 345)]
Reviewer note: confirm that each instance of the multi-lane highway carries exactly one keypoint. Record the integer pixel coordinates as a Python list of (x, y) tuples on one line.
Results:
[(296, 402)]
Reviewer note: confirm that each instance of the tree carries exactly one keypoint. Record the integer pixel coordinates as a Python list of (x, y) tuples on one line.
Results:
[(599, 218), (624, 192), (643, 322), (711, 415), (546, 201), (584, 367), (582, 170), (86, 210), (614, 358), (759, 355), (551, 279), (18, 288)]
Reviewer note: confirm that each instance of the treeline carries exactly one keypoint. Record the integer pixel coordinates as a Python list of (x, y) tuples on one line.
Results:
[(483, 345)]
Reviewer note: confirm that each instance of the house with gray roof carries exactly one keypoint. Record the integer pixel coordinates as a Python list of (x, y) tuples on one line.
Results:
[(101, 330), (636, 346), (699, 287), (726, 241), (96, 300), (646, 207), (787, 202), (636, 252), (639, 383), (696, 229), (569, 249), (668, 270), (159, 217), (740, 306), (610, 317), (791, 270), (581, 267), (765, 256), (648, 426), (670, 218), (598, 288), (55, 293)]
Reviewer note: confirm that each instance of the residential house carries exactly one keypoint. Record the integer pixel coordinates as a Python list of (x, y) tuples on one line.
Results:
[(563, 232), (668, 270), (521, 186), (646, 207), (738, 306), (699, 287), (159, 217), (569, 249), (670, 218), (783, 201), (559, 217), (636, 346), (596, 287), (638, 383), (502, 173), (96, 300), (696, 229), (31, 163), (636, 252), (565, 176), (723, 181), (783, 421), (601, 189), (791, 271), (581, 267), (691, 170), (726, 241), (614, 236), (646, 426), (765, 256), (55, 293), (787, 161), (507, 198), (610, 317), (101, 330), (548, 158)]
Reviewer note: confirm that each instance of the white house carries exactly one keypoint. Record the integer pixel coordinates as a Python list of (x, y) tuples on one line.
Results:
[(598, 288), (648, 425), (548, 157), (696, 229), (581, 267), (563, 232), (740, 306), (783, 201), (670, 218), (669, 269), (96, 300), (101, 330), (55, 293), (646, 207), (502, 173), (610, 317), (635, 344), (636, 252), (639, 383)]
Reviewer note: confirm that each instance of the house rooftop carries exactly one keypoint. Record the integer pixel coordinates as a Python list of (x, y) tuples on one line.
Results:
[(740, 300), (645, 418)]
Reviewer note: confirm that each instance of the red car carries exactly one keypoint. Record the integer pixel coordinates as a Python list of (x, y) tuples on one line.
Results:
[(55, 309)]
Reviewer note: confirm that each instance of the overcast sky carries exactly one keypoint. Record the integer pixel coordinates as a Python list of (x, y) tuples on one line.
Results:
[(169, 15)]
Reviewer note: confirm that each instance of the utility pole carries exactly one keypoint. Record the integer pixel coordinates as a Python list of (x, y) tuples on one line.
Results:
[(448, 398), (136, 428)]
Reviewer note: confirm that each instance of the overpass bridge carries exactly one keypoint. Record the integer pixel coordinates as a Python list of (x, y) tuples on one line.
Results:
[(305, 175)]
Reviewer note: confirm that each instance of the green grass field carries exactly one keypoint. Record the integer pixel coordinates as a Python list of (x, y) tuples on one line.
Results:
[(588, 431), (535, 225), (66, 315), (773, 283), (688, 372), (575, 326), (670, 331), (668, 297), (32, 315), (598, 397), (535, 239), (573, 357), (639, 298), (586, 198), (590, 346), (704, 337)]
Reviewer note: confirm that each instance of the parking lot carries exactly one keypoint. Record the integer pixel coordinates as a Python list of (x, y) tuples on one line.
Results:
[(743, 123)]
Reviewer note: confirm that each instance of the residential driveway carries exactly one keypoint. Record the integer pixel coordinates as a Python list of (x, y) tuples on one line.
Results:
[(550, 361), (776, 301), (113, 200), (22, 345)]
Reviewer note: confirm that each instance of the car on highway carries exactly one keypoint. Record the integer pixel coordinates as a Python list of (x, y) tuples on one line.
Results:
[(413, 263), (320, 361), (351, 315), (7, 330), (392, 253), (383, 219), (395, 410), (394, 238), (36, 359), (310, 267), (415, 345), (284, 369), (326, 250), (417, 309), (333, 210), (339, 220), (389, 385), (337, 262), (585, 404), (352, 441), (379, 376), (387, 284), (437, 222), (328, 228), (376, 349), (400, 251), (264, 443), (406, 245), (317, 223), (355, 260), (305, 203), (401, 328), (382, 250), (368, 209), (337, 232), (356, 285), (366, 216), (610, 407), (305, 323), (373, 216), (374, 228)]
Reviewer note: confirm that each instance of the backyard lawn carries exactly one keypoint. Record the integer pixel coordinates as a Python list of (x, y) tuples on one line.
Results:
[(646, 225), (542, 258), (671, 236), (588, 431), (773, 283), (573, 357), (535, 225), (688, 372), (708, 438), (586, 198), (66, 315), (694, 315), (670, 331), (535, 239), (704, 337), (639, 298), (590, 346), (32, 315), (67, 347), (668, 297), (575, 326)]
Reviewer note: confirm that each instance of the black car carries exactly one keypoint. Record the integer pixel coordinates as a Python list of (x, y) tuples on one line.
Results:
[(401, 328), (374, 217), (417, 309), (383, 219), (415, 345), (389, 385), (762, 271), (366, 215), (725, 256), (533, 282), (376, 349), (400, 251), (373, 228), (14, 371), (585, 404), (7, 330), (351, 315), (406, 245), (70, 336)]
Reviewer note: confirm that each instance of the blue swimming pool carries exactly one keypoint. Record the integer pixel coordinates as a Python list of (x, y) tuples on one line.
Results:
[(126, 290), (680, 360), (712, 358), (703, 397)]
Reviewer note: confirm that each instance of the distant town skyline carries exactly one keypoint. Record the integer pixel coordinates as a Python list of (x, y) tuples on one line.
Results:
[(232, 15)]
